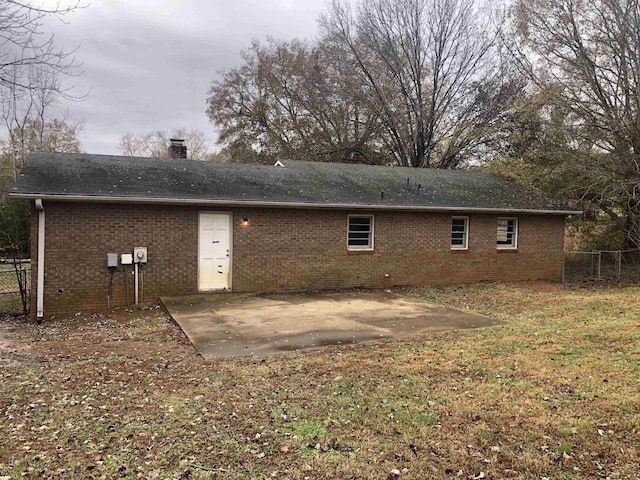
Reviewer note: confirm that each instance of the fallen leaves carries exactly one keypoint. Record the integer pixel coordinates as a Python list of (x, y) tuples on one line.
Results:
[(449, 403)]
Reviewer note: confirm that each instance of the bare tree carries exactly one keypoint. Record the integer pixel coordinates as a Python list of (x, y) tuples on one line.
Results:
[(31, 65), (53, 135), (293, 100), (25, 117), (156, 144), (25, 48), (429, 72), (584, 60), (31, 68), (28, 133)]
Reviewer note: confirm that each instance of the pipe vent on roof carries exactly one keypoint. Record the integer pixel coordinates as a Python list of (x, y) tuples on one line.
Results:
[(177, 148)]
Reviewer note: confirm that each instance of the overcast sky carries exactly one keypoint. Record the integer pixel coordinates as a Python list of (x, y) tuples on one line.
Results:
[(149, 63)]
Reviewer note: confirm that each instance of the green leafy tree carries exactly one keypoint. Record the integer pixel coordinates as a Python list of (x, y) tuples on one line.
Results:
[(14, 242), (14, 227)]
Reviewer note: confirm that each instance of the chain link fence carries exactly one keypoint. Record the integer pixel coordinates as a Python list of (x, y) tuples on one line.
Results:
[(15, 281), (602, 265)]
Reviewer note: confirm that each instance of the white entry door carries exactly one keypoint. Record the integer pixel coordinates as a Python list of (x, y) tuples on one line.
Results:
[(214, 252)]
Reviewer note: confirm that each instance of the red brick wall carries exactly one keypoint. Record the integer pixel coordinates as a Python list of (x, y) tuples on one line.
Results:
[(279, 250), (307, 249), (79, 236)]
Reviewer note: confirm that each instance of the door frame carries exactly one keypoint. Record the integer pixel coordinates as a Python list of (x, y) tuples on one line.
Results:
[(230, 215)]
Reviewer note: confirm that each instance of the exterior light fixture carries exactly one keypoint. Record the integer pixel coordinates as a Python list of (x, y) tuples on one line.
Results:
[(245, 221)]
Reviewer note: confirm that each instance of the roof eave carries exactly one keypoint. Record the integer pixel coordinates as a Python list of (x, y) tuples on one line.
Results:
[(267, 204)]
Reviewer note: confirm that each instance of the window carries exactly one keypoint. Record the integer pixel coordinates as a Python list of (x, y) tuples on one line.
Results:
[(507, 233), (459, 233), (360, 232)]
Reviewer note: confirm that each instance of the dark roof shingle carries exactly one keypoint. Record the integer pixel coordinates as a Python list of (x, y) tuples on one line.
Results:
[(131, 179)]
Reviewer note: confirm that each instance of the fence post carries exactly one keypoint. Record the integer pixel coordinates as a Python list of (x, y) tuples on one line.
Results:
[(599, 263), (619, 264)]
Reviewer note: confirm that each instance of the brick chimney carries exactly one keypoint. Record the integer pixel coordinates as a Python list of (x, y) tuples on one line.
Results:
[(177, 148)]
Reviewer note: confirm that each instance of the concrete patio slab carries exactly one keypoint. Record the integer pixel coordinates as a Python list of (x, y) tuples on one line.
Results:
[(229, 325)]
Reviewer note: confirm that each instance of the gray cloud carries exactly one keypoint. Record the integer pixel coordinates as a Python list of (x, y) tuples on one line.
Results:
[(148, 64)]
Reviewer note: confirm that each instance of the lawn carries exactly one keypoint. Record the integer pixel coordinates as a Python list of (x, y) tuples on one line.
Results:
[(554, 393)]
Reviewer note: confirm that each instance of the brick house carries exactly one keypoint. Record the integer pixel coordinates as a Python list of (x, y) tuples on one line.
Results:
[(294, 226)]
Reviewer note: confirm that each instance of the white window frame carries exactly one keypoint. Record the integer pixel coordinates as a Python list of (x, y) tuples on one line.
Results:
[(361, 248), (514, 244), (465, 245)]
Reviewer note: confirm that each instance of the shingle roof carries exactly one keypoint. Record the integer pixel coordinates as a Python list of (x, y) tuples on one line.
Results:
[(108, 178)]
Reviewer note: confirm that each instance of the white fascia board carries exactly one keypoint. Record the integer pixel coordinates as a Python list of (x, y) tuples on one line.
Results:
[(266, 204)]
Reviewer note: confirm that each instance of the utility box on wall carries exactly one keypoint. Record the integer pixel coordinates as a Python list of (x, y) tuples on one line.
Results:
[(140, 255), (112, 260)]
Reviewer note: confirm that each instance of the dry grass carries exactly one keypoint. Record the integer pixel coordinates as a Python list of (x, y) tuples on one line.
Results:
[(554, 393), (10, 302)]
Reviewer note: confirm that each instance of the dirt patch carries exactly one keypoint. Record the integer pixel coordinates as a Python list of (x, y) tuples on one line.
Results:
[(12, 331), (140, 333)]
